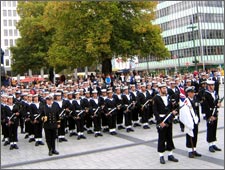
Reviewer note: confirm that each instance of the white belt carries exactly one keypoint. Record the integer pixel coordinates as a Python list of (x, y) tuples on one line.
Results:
[(161, 115)]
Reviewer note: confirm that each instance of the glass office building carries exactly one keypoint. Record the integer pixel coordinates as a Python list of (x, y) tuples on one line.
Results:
[(192, 31)]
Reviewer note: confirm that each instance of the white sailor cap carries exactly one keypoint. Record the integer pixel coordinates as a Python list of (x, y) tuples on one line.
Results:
[(118, 88), (161, 84), (57, 94), (49, 97), (94, 91), (143, 84), (125, 87), (210, 82), (190, 89), (188, 80), (30, 95), (109, 91), (87, 92), (103, 90), (35, 95), (9, 96), (70, 93)]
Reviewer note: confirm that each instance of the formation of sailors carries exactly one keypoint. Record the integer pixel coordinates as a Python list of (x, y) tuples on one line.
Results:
[(95, 107)]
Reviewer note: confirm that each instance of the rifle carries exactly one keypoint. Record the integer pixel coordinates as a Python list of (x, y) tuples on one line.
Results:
[(9, 118), (146, 103), (128, 107), (111, 111), (81, 112), (95, 113), (215, 110), (60, 115), (165, 119), (37, 116)]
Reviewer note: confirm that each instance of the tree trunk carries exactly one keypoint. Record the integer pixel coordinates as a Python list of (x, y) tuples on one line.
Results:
[(51, 74), (107, 66)]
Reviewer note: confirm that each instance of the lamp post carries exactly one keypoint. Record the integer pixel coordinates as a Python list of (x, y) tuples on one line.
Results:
[(195, 60)]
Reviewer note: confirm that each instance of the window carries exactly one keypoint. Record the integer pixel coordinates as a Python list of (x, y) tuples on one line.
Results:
[(11, 42), (14, 3), (5, 22), (15, 32), (6, 62), (10, 22), (10, 32), (4, 13), (9, 13), (4, 3), (6, 42), (14, 22), (9, 3), (5, 32), (6, 52), (14, 13)]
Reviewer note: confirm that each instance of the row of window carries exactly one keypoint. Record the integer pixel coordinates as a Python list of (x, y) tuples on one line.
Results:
[(9, 13), (11, 32), (9, 43), (186, 5), (188, 36), (9, 22), (204, 18), (190, 52), (9, 3)]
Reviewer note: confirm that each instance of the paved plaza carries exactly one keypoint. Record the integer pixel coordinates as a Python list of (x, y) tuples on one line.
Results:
[(134, 150)]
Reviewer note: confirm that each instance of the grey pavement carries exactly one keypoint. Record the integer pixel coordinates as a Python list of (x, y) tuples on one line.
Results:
[(134, 150)]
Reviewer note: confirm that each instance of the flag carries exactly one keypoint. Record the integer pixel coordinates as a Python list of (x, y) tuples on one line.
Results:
[(182, 94)]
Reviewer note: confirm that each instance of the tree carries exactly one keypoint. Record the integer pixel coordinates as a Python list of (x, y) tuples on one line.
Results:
[(30, 51), (97, 31)]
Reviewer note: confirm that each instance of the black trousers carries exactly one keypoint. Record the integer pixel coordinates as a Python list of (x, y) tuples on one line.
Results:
[(5, 130), (88, 120), (135, 114), (21, 120), (104, 120), (145, 115), (112, 121), (50, 136), (119, 116), (128, 118), (61, 130), (13, 136), (192, 140), (38, 130), (97, 123), (80, 124), (165, 139), (211, 131), (72, 123)]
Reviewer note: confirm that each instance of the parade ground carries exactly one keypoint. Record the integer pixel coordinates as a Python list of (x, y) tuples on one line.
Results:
[(133, 150)]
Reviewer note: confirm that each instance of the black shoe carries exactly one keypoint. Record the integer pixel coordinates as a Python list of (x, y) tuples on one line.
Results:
[(172, 158), (136, 124), (41, 143), (120, 127), (50, 153), (191, 155), (6, 143), (216, 148), (113, 133), (55, 152), (99, 134), (105, 129), (60, 139), (15, 146), (151, 122), (73, 134), (26, 136), (96, 135), (11, 147), (128, 130), (64, 140), (204, 117), (182, 129), (83, 137), (131, 130), (162, 160), (78, 137), (36, 143), (31, 140), (22, 132), (146, 127), (90, 132), (197, 154), (3, 140), (176, 121), (211, 149)]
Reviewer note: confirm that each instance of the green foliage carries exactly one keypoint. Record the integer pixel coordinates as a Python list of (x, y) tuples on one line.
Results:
[(78, 34)]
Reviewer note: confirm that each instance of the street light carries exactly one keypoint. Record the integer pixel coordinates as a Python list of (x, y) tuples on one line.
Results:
[(195, 60)]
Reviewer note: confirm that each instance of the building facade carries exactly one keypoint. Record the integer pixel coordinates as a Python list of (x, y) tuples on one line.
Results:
[(9, 33), (192, 31)]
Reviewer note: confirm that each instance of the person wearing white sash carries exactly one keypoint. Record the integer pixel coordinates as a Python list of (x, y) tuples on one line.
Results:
[(190, 118)]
